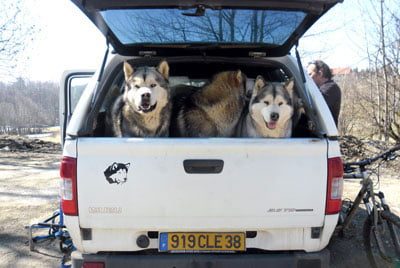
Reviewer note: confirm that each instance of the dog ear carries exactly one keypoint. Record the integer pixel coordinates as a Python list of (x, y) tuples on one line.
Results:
[(128, 70), (127, 165), (114, 166), (239, 76), (240, 79), (300, 105), (163, 68), (258, 84), (289, 85)]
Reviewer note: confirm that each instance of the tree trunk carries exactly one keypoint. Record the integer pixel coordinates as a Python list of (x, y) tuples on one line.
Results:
[(385, 75)]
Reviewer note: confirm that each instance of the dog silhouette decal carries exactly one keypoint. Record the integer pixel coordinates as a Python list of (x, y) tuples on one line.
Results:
[(117, 173)]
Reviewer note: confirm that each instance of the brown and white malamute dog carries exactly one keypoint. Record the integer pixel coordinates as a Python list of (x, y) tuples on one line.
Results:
[(212, 111), (144, 109), (271, 110)]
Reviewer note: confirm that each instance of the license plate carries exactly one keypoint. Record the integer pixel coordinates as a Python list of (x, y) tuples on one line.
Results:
[(202, 241)]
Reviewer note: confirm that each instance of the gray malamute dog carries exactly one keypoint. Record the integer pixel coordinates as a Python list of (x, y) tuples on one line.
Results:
[(271, 111), (213, 110), (144, 109)]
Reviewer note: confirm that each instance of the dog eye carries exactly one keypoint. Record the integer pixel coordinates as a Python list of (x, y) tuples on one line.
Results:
[(266, 102), (153, 85), (280, 103), (137, 86)]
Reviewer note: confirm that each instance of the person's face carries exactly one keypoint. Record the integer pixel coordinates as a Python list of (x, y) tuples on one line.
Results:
[(314, 74)]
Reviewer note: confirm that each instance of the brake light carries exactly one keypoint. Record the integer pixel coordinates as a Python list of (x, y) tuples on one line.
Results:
[(335, 186), (68, 191)]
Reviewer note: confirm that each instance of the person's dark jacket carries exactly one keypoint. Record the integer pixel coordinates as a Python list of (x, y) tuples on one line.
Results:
[(332, 94)]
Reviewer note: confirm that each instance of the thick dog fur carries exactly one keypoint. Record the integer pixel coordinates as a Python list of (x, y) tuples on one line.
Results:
[(272, 112), (212, 111), (144, 109)]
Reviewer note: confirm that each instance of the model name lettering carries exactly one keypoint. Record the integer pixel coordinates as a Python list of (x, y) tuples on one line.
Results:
[(105, 210), (285, 210)]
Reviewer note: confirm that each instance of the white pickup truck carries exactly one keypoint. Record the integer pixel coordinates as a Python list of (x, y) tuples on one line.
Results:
[(199, 202)]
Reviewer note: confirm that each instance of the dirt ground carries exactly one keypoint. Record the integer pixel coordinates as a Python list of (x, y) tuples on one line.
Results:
[(29, 194)]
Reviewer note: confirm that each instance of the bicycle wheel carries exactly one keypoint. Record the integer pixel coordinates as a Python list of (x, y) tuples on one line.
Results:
[(382, 243)]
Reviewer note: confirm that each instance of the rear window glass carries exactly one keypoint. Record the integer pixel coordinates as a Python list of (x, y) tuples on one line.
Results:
[(163, 26)]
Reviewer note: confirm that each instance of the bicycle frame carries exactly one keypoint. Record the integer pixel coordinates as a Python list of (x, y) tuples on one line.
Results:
[(365, 192)]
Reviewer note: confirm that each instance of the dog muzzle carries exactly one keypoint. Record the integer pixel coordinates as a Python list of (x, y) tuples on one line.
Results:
[(271, 124), (146, 108)]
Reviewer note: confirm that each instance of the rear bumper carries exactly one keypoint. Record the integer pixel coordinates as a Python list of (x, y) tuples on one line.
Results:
[(292, 259)]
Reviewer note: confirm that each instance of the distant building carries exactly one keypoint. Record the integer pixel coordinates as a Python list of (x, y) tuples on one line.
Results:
[(341, 71)]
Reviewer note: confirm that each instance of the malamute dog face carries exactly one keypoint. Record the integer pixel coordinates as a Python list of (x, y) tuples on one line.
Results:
[(214, 110), (146, 87), (270, 110), (144, 108)]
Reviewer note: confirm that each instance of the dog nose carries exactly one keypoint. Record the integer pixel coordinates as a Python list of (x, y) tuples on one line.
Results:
[(146, 96), (274, 116)]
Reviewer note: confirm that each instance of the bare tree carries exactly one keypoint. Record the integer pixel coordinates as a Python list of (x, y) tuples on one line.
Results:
[(384, 47), (14, 34), (371, 104), (256, 26), (28, 104)]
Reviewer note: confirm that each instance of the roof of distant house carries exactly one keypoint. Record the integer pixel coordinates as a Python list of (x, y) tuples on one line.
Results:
[(341, 71)]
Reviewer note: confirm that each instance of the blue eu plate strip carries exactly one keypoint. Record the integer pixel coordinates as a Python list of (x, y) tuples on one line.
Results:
[(163, 239)]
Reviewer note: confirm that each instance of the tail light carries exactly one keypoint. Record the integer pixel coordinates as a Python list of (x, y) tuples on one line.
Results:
[(68, 191), (335, 186)]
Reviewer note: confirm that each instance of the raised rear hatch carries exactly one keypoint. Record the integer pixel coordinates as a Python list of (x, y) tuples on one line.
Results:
[(225, 27)]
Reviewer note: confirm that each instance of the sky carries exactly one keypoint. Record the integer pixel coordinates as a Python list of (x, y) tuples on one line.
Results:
[(68, 40)]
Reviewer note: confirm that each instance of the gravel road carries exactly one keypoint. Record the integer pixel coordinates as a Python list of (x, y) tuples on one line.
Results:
[(28, 194)]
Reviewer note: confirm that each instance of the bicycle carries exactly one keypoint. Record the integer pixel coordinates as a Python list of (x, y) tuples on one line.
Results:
[(381, 230)]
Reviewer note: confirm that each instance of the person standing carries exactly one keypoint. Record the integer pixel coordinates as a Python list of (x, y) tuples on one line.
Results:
[(320, 72)]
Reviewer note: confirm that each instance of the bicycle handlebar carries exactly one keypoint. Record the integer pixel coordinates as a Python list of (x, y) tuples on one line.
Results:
[(368, 161), (353, 176)]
